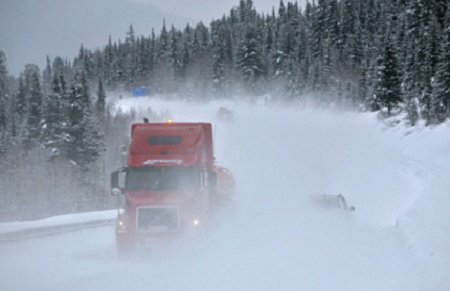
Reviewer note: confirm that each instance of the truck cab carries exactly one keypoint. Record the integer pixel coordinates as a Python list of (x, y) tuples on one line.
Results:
[(170, 183)]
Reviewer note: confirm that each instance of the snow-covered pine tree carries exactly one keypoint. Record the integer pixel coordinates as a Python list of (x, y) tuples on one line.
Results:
[(34, 113), (163, 79), (131, 58), (55, 136), (163, 42), (269, 46), (348, 19), (249, 59), (304, 56), (47, 76), (85, 140), (387, 90), (441, 84), (429, 60), (59, 67), (185, 54), (152, 59), (4, 134), (19, 107), (320, 30), (218, 47), (100, 104), (199, 73), (222, 56), (174, 56), (108, 64), (333, 20), (142, 59)]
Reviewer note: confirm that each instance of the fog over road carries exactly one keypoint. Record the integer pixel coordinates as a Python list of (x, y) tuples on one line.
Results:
[(275, 239)]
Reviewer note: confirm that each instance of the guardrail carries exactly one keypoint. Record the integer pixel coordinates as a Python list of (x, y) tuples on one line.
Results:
[(55, 225)]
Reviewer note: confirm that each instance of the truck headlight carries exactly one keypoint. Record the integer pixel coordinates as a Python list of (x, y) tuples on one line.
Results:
[(120, 226)]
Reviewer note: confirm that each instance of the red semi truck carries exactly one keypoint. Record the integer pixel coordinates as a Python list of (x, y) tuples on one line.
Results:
[(171, 184)]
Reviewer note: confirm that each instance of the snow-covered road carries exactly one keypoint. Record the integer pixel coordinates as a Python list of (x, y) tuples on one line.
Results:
[(395, 240)]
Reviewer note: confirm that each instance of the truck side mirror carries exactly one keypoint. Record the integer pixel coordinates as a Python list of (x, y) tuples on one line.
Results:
[(115, 187), (114, 180)]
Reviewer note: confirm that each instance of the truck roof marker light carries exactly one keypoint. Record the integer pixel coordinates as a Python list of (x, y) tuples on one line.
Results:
[(169, 120)]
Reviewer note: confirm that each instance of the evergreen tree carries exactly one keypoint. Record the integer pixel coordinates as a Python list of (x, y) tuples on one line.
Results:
[(303, 56), (320, 31), (85, 141), (441, 88), (412, 111), (100, 105), (333, 20), (185, 58), (349, 15), (120, 68), (222, 55), (34, 113), (4, 142), (143, 60), (429, 57), (199, 78), (269, 47), (58, 66), (55, 123), (219, 61), (98, 64), (3, 106), (163, 80), (47, 76), (109, 60), (3, 90), (163, 42), (249, 62), (130, 59), (19, 107), (175, 56), (388, 93), (152, 54), (411, 69), (282, 15)]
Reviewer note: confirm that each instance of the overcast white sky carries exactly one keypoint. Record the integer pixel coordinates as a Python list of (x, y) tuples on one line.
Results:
[(32, 29), (209, 9)]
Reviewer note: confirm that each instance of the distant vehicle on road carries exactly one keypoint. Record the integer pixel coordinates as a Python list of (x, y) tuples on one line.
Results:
[(331, 202), (224, 114)]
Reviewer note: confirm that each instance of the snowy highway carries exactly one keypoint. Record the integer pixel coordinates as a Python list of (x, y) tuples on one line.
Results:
[(397, 239)]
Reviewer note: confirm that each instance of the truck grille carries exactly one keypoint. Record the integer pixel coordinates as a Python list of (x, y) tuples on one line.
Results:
[(157, 219)]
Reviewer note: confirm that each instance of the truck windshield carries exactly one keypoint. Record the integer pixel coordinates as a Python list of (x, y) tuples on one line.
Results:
[(163, 178)]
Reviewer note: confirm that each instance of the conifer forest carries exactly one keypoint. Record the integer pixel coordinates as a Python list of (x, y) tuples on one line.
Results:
[(59, 140)]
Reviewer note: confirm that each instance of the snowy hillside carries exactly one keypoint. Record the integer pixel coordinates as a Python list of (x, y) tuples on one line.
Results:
[(397, 239)]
